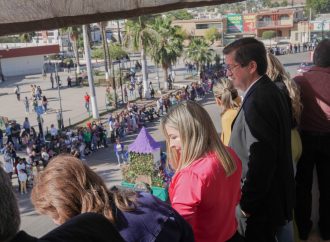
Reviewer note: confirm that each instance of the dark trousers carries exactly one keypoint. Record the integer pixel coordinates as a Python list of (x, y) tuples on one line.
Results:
[(316, 152), (258, 231), (236, 238)]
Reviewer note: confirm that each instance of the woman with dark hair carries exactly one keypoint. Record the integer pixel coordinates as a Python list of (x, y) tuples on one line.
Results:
[(67, 187)]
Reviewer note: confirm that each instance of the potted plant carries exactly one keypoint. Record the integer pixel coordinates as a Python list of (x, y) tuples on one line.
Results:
[(142, 169)]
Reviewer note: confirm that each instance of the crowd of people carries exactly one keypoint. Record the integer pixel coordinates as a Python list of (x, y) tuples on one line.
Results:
[(248, 184)]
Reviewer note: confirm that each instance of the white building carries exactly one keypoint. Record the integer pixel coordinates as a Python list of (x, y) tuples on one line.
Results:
[(26, 60)]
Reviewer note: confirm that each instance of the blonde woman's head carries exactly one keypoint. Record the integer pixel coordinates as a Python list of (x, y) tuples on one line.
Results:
[(190, 134), (225, 94), (277, 72)]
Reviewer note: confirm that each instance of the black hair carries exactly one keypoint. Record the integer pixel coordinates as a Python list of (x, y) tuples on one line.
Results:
[(247, 50), (321, 55)]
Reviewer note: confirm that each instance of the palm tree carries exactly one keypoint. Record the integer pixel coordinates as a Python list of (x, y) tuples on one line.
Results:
[(198, 51), (139, 36), (168, 47), (102, 26), (74, 32)]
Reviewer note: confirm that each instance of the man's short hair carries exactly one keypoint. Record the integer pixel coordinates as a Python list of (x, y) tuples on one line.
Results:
[(321, 55), (247, 50), (9, 212)]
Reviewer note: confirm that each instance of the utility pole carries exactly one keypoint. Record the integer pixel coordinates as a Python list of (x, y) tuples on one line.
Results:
[(89, 73), (57, 79)]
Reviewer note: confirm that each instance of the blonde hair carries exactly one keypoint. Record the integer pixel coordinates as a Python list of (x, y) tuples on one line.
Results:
[(198, 136), (225, 91), (276, 71), (68, 187)]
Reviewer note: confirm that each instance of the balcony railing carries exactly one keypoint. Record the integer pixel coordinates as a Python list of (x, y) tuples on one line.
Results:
[(277, 23)]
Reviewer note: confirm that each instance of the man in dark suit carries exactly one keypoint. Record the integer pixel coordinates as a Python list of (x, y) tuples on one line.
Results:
[(261, 138)]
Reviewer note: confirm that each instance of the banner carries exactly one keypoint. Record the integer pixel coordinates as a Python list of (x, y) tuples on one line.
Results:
[(319, 25), (234, 23), (249, 23)]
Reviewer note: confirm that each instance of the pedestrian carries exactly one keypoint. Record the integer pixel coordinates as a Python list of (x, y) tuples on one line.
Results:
[(35, 105), (44, 103), (18, 93), (227, 98), (87, 101), (59, 119), (22, 177), (125, 95), (203, 167), (26, 105), (261, 137), (315, 135), (69, 81), (140, 91), (26, 125), (52, 80), (119, 151), (68, 187)]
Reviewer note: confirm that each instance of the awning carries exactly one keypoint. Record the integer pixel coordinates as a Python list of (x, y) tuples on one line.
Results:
[(18, 16)]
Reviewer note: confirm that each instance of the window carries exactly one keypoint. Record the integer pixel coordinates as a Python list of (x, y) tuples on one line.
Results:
[(296, 36), (217, 26), (202, 26), (284, 17)]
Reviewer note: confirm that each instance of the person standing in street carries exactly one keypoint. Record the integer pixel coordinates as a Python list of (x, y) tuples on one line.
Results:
[(315, 135), (52, 80), (69, 81), (87, 101), (261, 137), (26, 105), (18, 93)]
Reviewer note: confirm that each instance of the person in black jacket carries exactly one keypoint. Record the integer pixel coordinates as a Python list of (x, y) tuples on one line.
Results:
[(261, 137)]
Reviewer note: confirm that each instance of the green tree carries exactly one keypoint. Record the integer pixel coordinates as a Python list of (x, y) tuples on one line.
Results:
[(168, 46), (74, 33), (27, 37), (198, 51), (318, 6), (212, 35), (116, 51), (181, 14), (268, 34), (140, 36), (284, 3)]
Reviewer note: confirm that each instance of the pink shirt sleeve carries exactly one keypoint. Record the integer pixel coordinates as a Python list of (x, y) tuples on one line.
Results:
[(187, 194)]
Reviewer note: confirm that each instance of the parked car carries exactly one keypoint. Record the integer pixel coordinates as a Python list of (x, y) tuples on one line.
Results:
[(305, 66)]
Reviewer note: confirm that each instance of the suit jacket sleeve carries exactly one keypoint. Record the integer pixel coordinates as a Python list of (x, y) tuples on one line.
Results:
[(261, 129)]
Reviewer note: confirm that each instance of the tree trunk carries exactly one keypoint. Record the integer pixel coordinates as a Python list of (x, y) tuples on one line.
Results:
[(104, 43), (165, 69), (118, 29), (145, 73), (113, 72)]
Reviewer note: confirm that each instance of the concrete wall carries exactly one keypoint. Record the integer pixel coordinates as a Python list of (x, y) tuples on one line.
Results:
[(22, 65)]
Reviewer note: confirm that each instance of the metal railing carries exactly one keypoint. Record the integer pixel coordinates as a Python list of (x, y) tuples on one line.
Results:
[(277, 23)]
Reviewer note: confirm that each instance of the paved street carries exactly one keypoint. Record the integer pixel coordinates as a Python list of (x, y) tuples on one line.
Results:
[(103, 161)]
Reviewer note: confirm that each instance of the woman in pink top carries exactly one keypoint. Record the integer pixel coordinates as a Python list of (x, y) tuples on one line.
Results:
[(206, 186)]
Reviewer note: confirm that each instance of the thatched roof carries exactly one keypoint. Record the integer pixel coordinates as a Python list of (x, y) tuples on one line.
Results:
[(17, 16)]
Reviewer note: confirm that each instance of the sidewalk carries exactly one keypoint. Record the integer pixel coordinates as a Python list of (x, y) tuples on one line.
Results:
[(72, 98)]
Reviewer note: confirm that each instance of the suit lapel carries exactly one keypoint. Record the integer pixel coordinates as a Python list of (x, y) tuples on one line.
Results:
[(247, 96)]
